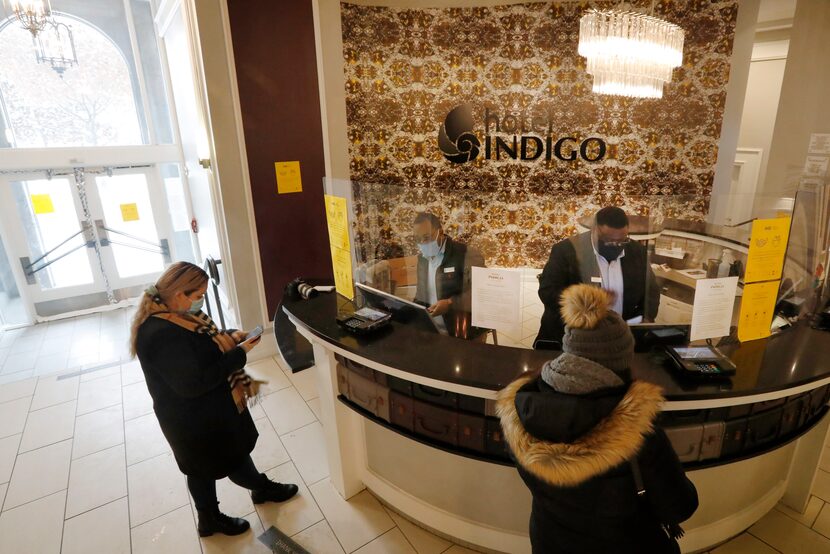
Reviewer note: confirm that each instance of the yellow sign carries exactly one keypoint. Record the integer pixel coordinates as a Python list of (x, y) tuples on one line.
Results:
[(42, 204), (757, 309), (338, 221), (129, 212), (341, 262), (288, 177), (767, 247)]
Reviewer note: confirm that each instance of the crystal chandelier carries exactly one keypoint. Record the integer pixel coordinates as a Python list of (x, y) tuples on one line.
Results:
[(629, 53), (32, 14), (56, 46)]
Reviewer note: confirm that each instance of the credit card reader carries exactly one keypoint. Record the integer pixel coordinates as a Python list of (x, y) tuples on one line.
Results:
[(364, 321), (701, 361)]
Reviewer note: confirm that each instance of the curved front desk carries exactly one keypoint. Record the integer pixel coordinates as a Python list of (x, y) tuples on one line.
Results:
[(411, 417)]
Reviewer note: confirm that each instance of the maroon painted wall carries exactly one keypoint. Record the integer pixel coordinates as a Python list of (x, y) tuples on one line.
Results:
[(276, 68)]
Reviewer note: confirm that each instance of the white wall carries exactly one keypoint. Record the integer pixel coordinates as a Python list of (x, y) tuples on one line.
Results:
[(802, 108), (763, 89)]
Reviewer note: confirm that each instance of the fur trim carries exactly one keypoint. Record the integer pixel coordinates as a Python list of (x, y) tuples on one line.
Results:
[(584, 306), (614, 440)]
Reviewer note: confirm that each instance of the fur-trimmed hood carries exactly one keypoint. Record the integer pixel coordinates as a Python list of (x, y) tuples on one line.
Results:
[(610, 441)]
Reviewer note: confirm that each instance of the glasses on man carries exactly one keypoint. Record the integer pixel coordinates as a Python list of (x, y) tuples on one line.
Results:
[(621, 242)]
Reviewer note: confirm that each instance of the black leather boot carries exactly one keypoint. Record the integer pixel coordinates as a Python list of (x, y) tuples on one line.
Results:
[(217, 522), (274, 492)]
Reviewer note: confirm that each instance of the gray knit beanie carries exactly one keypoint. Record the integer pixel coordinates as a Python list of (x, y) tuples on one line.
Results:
[(593, 331)]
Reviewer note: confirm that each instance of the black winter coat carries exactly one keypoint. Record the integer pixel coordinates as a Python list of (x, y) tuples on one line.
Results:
[(573, 453), (186, 375)]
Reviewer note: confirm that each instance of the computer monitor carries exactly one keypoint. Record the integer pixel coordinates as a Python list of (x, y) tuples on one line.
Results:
[(403, 311)]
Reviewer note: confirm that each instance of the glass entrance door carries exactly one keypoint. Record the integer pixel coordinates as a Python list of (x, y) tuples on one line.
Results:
[(85, 240), (131, 222), (49, 238)]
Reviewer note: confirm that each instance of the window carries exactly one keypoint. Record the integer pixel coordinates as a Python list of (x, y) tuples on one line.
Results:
[(91, 104)]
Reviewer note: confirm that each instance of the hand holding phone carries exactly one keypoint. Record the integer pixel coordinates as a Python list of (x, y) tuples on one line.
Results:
[(256, 332), (252, 339)]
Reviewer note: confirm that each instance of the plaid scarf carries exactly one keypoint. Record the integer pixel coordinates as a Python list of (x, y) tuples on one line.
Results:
[(245, 390)]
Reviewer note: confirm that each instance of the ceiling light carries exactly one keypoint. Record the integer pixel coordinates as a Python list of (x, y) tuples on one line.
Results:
[(32, 14), (629, 53)]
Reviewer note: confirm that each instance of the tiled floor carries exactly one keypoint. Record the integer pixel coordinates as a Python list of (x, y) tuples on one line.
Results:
[(69, 344), (84, 467)]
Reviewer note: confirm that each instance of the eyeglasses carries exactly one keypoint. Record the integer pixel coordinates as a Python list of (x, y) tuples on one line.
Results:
[(621, 242)]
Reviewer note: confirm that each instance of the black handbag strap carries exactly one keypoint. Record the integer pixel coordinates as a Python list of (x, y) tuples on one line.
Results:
[(672, 530), (638, 477)]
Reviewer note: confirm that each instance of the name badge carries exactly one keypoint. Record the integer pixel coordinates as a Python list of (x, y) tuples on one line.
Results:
[(449, 270), (596, 280)]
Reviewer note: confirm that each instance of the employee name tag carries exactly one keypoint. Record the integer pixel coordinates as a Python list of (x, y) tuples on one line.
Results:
[(449, 270), (596, 280)]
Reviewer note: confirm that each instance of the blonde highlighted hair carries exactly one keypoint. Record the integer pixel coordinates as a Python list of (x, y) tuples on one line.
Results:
[(179, 277)]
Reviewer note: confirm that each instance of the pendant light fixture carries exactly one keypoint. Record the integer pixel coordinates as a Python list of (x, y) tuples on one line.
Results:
[(55, 46), (629, 53), (33, 15)]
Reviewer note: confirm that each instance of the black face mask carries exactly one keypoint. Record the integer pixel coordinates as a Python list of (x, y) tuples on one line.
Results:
[(609, 251)]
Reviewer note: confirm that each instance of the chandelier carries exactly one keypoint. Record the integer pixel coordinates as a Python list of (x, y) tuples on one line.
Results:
[(56, 46), (629, 53), (32, 14)]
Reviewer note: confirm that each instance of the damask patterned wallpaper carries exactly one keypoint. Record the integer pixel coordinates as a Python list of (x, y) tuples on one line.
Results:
[(406, 69)]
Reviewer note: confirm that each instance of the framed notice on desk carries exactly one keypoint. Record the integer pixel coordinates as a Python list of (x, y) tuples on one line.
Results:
[(712, 311), (496, 297)]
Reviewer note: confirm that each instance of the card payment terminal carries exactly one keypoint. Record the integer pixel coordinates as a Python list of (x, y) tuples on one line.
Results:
[(364, 320), (701, 361)]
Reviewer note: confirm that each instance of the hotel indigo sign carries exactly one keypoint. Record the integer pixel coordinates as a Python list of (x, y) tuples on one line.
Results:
[(459, 142)]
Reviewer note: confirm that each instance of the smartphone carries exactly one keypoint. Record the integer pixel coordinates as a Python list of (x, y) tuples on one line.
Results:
[(257, 332)]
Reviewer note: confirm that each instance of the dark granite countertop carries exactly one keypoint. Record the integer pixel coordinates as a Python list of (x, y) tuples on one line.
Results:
[(791, 358)]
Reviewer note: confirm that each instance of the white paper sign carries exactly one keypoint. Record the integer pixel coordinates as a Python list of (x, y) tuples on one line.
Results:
[(496, 297), (816, 165), (712, 310), (819, 143)]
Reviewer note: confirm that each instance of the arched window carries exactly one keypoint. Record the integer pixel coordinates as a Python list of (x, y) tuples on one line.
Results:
[(90, 104)]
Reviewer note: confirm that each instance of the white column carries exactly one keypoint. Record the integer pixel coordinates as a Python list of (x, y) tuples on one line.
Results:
[(342, 427), (804, 466)]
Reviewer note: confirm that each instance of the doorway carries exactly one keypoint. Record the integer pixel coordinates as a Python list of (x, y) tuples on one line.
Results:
[(85, 239)]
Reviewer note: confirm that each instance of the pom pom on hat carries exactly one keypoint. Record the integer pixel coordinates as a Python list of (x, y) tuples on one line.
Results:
[(593, 330), (584, 306)]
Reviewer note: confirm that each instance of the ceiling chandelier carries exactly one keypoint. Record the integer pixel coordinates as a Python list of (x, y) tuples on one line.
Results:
[(33, 15), (55, 45), (629, 53)]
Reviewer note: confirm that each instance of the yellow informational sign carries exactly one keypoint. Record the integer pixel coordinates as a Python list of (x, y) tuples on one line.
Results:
[(337, 219), (767, 247), (42, 204), (757, 309), (288, 177), (129, 212), (341, 262)]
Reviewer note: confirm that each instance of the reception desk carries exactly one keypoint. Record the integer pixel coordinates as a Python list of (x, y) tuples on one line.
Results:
[(410, 416)]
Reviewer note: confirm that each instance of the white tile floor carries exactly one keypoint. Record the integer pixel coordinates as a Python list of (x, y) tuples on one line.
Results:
[(84, 467)]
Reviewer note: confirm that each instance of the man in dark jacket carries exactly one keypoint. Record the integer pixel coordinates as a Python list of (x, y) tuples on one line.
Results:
[(444, 277), (581, 430), (603, 256)]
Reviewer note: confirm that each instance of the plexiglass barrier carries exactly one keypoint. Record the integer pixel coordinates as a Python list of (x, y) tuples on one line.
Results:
[(420, 245)]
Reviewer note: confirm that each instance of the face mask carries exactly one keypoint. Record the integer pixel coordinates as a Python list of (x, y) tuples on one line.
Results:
[(608, 251), (430, 249), (196, 306)]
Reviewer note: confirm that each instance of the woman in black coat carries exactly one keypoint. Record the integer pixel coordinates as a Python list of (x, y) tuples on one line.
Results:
[(200, 392), (581, 431)]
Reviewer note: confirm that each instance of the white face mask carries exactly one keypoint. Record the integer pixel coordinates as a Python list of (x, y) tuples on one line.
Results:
[(430, 249), (196, 305)]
